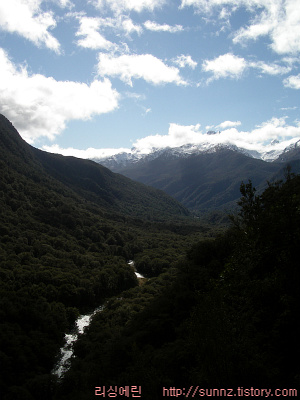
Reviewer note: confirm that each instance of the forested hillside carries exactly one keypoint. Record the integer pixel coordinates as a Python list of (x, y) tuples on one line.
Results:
[(218, 308), (89, 180), (64, 248), (225, 317)]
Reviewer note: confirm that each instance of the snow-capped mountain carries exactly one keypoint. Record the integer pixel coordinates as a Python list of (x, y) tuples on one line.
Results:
[(206, 176), (291, 152), (273, 152)]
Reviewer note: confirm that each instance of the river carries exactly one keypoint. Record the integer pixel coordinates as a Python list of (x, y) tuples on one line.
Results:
[(66, 352)]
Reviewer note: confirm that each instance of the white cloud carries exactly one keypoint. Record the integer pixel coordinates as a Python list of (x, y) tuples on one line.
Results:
[(129, 27), (231, 66), (262, 24), (286, 32), (185, 61), (292, 82), (87, 153), (227, 124), (275, 128), (119, 6), (271, 69), (144, 66), (119, 23), (65, 3), (277, 19), (154, 26), (40, 106), (225, 66), (258, 139), (178, 135), (89, 28), (25, 18), (288, 108), (291, 60)]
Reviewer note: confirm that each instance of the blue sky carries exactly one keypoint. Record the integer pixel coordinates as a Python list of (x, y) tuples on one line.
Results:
[(88, 78)]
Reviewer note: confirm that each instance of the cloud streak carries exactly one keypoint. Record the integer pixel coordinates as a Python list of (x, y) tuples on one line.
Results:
[(87, 153), (121, 6), (228, 124), (154, 26)]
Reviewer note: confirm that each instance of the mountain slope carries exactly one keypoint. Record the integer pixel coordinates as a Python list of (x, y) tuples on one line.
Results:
[(88, 179), (57, 252), (208, 180), (113, 191), (64, 248), (289, 154)]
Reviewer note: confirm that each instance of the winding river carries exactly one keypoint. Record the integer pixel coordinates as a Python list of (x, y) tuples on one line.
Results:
[(66, 352)]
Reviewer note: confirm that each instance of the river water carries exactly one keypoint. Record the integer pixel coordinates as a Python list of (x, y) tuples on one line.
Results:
[(66, 352), (131, 263)]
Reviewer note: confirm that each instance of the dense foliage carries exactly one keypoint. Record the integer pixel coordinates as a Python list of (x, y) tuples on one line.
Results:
[(226, 316), (63, 250), (220, 312)]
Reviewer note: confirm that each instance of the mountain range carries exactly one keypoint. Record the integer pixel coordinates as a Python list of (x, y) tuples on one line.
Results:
[(205, 177), (167, 182), (92, 182)]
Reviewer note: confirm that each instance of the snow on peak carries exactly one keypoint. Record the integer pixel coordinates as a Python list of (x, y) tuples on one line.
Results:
[(268, 153)]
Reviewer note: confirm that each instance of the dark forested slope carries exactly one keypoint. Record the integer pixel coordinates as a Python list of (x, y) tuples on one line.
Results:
[(67, 229), (227, 317), (86, 178)]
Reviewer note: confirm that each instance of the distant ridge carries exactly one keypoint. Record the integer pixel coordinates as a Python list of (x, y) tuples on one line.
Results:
[(291, 153), (85, 178), (271, 154), (200, 180), (207, 178)]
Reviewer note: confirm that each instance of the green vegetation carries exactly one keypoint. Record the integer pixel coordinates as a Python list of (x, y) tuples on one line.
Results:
[(64, 249), (224, 316), (219, 307)]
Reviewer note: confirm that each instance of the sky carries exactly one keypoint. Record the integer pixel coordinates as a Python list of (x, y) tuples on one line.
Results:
[(91, 78)]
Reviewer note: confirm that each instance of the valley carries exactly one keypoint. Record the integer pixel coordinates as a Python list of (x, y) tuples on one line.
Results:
[(68, 228), (82, 322), (220, 301)]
